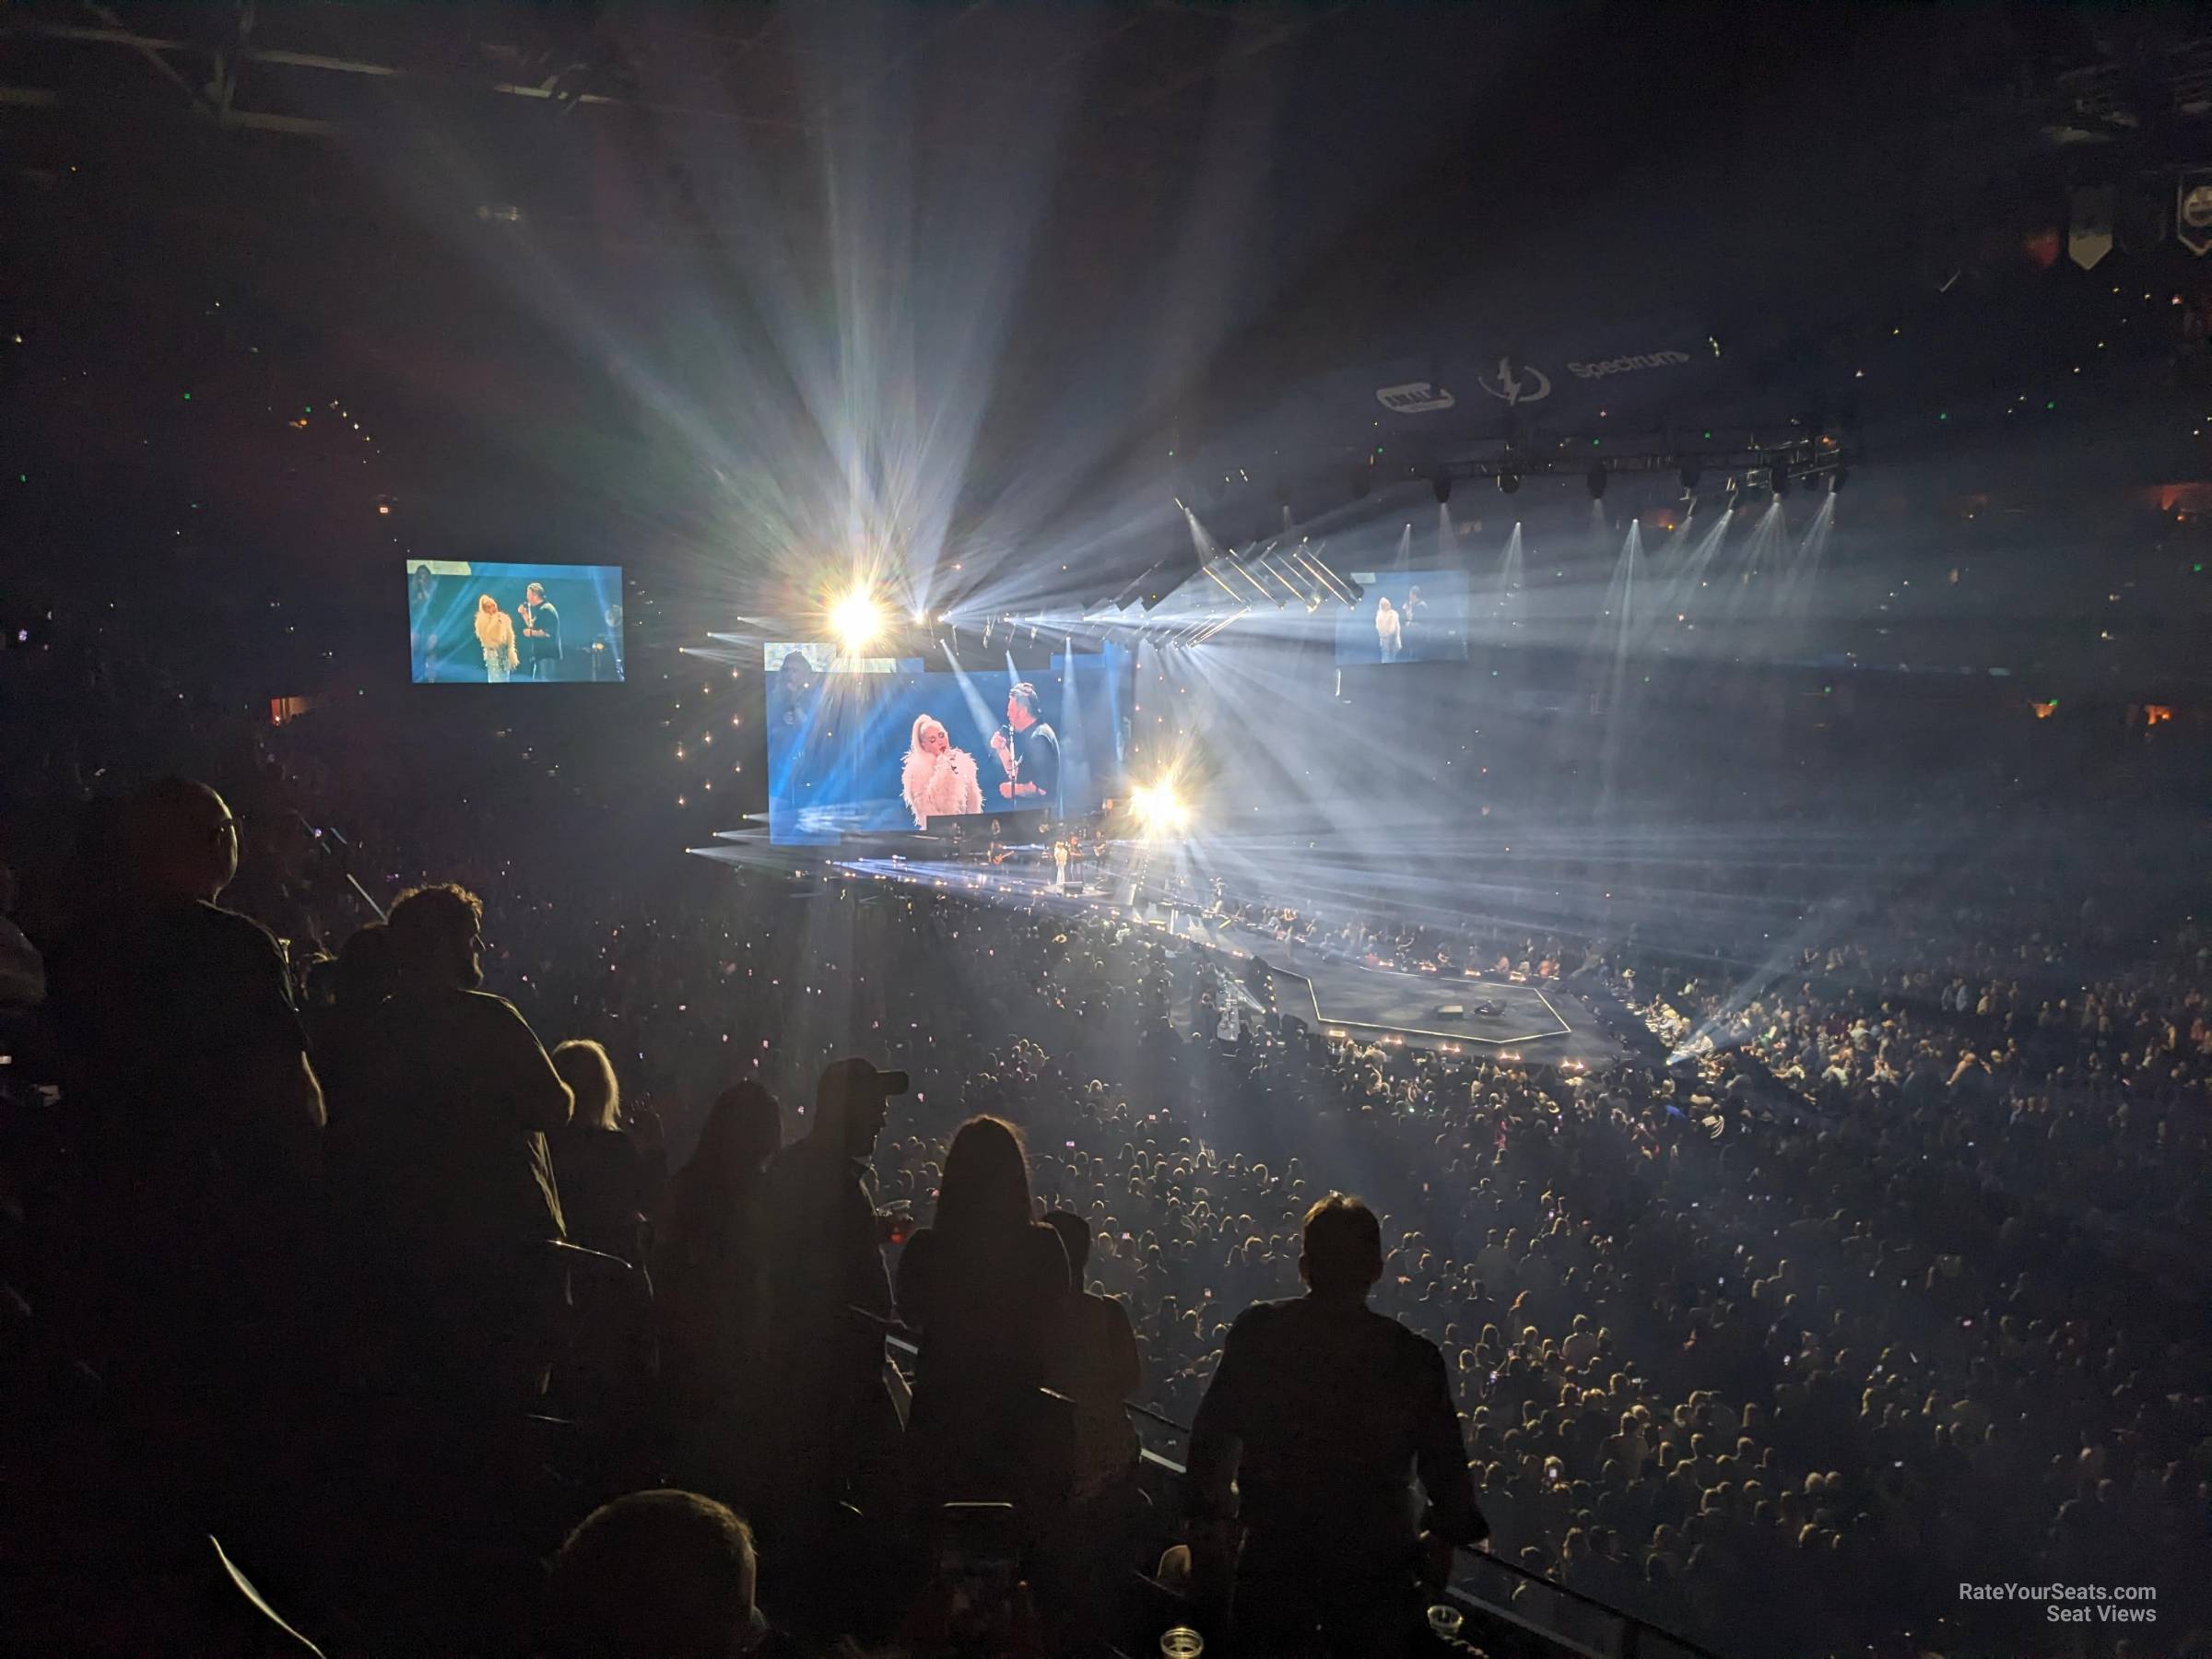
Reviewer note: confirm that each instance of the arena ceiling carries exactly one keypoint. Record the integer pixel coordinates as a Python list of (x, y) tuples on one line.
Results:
[(409, 206)]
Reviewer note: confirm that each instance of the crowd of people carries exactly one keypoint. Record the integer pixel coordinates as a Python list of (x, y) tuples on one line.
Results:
[(1867, 1274)]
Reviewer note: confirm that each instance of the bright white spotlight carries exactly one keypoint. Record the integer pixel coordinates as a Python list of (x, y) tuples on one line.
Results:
[(1159, 808), (856, 620)]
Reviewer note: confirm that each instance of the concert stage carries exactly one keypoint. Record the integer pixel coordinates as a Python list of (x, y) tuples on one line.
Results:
[(1543, 1024), (1428, 1010)]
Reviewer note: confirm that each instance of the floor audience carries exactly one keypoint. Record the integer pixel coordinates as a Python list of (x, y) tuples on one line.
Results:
[(1873, 1269)]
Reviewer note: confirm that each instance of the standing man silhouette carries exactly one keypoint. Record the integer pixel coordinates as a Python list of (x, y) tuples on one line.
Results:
[(1320, 1409)]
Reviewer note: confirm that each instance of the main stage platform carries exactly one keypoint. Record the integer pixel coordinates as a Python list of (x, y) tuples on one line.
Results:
[(1543, 1024)]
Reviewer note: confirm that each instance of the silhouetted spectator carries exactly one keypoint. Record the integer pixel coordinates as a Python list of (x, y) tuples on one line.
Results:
[(360, 977), (985, 1284), (602, 1188), (447, 1195), (1321, 1410), (198, 1119), (826, 1295), (1092, 1358), (707, 1262), (657, 1575)]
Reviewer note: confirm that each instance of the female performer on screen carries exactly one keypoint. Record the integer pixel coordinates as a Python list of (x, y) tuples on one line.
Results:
[(495, 632), (938, 780), (1387, 633)]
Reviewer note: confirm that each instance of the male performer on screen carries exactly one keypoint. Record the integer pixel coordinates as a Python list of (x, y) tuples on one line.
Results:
[(541, 634), (1029, 750)]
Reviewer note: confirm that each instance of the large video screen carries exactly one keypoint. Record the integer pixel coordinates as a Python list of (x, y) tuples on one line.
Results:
[(1405, 617), (869, 752), (473, 624)]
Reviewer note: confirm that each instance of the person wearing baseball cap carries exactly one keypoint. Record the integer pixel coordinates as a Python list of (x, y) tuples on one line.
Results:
[(827, 1296), (855, 1093)]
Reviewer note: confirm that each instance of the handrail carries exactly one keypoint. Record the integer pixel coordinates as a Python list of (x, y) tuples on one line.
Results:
[(1515, 1570), (907, 1340), (1634, 1626), (1165, 1422)]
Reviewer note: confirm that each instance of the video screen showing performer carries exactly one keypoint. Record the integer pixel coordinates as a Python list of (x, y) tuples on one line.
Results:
[(863, 751), (1405, 617), (507, 624)]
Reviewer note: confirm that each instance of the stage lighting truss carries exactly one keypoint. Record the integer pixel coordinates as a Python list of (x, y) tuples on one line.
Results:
[(1809, 463)]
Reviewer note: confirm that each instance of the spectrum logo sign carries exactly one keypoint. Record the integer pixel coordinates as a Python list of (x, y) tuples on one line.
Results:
[(1627, 365)]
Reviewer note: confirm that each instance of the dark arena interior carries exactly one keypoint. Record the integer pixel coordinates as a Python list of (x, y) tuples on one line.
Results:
[(771, 773)]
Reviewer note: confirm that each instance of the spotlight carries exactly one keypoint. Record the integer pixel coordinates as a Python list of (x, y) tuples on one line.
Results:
[(856, 619), (1836, 478), (1508, 483), (1440, 482), (1690, 475), (1597, 479), (1778, 476), (1159, 808)]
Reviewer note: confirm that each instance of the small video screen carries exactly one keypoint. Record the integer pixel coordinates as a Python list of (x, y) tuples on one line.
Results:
[(1405, 617), (471, 624)]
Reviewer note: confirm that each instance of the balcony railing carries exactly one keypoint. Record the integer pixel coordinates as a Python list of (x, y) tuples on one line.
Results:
[(1508, 1608)]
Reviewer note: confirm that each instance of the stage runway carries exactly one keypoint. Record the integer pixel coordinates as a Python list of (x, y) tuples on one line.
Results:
[(1527, 1021)]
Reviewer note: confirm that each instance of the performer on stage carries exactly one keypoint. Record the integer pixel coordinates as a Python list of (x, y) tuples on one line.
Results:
[(938, 779), (495, 633), (1029, 750), (1387, 634), (1413, 627), (541, 633)]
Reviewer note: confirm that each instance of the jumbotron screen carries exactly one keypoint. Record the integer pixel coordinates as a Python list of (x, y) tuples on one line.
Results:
[(868, 752), (1405, 617), (473, 624)]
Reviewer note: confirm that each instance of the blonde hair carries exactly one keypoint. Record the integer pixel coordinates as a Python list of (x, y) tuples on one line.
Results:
[(494, 627), (583, 1065)]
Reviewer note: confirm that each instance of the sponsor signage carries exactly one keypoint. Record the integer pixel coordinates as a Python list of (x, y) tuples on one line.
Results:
[(1414, 398), (1516, 381), (1633, 363)]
